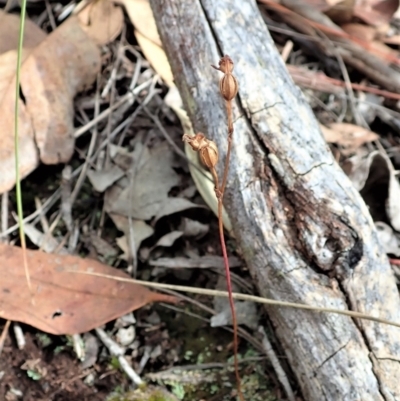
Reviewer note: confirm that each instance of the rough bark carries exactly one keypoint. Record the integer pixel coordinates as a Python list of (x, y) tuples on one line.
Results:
[(302, 228)]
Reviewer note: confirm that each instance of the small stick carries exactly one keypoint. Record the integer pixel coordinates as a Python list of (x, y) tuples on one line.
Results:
[(3, 335), (119, 352), (276, 365)]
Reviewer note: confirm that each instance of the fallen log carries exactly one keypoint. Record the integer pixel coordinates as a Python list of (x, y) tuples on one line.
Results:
[(303, 230)]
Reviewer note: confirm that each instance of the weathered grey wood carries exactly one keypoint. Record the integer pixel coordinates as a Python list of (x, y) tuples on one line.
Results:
[(304, 231)]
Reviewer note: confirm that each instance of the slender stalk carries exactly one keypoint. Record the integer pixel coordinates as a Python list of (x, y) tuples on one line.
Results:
[(228, 87), (230, 297), (208, 151), (16, 144)]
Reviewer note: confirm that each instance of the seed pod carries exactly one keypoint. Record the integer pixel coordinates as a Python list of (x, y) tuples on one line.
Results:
[(228, 86), (208, 149), (209, 154), (197, 141)]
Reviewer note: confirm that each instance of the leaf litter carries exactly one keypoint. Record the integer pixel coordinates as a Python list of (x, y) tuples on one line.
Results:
[(64, 301), (122, 179), (151, 179), (62, 64)]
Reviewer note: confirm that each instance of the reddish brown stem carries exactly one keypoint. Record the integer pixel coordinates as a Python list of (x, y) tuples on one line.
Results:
[(231, 303), (219, 194), (229, 113), (228, 87)]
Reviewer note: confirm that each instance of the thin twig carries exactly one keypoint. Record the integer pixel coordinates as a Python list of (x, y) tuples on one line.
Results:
[(276, 365), (119, 352), (4, 215), (4, 334), (243, 297)]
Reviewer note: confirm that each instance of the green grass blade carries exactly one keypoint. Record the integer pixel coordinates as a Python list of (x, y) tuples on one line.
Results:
[(16, 141)]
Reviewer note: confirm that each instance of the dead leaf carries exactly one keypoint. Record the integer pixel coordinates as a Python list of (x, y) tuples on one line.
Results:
[(193, 228), (359, 167), (102, 21), (389, 241), (361, 31), (376, 12), (174, 205), (141, 16), (122, 243), (169, 239), (140, 229), (125, 336), (46, 242), (146, 33), (101, 246), (66, 302), (393, 201), (29, 156), (156, 56), (246, 311), (246, 314), (59, 67), (392, 40), (149, 186), (376, 177), (9, 33), (102, 179), (349, 136), (368, 105)]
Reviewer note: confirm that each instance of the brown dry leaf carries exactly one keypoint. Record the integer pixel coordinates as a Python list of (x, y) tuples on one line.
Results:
[(63, 64), (361, 31), (146, 33), (322, 5), (341, 11), (141, 16), (9, 33), (66, 302), (156, 56), (337, 10), (392, 40), (376, 12), (349, 136), (372, 36), (102, 21)]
